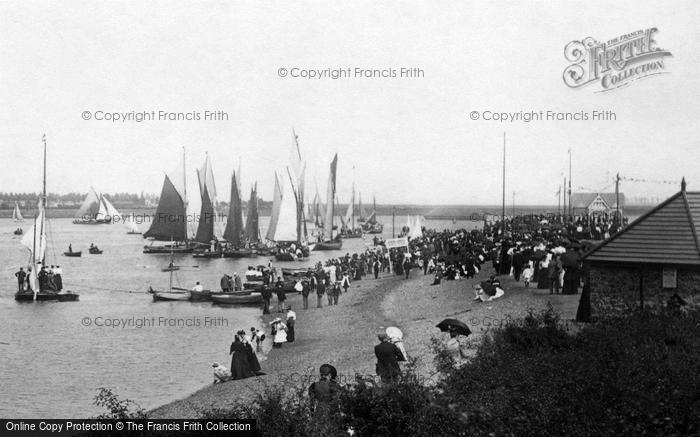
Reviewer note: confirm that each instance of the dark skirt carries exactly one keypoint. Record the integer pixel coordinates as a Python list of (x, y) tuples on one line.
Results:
[(543, 279)]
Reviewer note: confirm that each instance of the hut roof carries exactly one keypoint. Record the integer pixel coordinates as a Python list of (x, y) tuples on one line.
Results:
[(583, 200), (665, 235)]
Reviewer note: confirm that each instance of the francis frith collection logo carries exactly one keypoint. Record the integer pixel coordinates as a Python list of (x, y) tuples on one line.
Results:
[(615, 63)]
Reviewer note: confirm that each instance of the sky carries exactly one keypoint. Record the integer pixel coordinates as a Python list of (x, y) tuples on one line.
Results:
[(404, 140)]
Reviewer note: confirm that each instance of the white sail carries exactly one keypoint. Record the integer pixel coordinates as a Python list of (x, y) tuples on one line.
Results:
[(287, 222), (415, 228), (350, 211), (330, 196), (274, 217), (102, 212), (35, 238), (90, 206), (16, 214)]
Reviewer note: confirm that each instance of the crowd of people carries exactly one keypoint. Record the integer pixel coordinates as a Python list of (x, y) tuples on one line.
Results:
[(49, 279)]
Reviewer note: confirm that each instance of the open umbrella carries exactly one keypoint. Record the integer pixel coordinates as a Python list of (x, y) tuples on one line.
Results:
[(459, 327)]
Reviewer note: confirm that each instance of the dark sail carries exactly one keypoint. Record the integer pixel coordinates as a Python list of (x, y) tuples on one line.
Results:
[(252, 232), (234, 224), (205, 230), (170, 220)]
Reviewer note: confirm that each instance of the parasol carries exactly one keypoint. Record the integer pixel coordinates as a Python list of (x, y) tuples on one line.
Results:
[(455, 325)]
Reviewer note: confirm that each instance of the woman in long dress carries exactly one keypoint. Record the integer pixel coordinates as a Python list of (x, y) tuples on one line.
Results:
[(280, 330), (240, 364)]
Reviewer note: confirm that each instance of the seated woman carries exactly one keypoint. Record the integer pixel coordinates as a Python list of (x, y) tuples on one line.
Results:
[(221, 373), (486, 291)]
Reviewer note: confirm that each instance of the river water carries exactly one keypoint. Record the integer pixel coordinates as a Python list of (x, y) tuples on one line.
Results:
[(55, 355)]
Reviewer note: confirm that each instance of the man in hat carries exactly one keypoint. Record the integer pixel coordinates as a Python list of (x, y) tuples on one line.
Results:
[(305, 290), (267, 296), (281, 295), (221, 373), (21, 275), (58, 278), (388, 356), (225, 287)]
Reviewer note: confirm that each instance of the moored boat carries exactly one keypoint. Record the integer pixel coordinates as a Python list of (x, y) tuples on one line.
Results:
[(238, 253), (233, 299), (171, 296), (329, 245), (73, 254), (18, 231)]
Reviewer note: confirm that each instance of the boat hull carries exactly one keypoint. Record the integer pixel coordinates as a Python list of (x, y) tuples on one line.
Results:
[(329, 245), (43, 295), (285, 257), (18, 232), (95, 252), (166, 249), (239, 253), (232, 299), (24, 296), (207, 295), (206, 255), (73, 254), (91, 222), (67, 297), (171, 297)]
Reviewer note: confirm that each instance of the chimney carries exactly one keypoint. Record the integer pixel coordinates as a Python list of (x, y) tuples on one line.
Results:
[(683, 185)]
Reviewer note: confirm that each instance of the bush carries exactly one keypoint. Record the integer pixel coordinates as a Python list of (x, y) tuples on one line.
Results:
[(117, 408)]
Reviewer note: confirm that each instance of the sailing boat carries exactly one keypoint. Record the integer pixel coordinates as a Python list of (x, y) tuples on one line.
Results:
[(348, 228), (170, 294), (287, 225), (371, 225), (205, 228), (16, 214), (234, 225), (170, 220), (363, 214), (35, 240), (93, 210), (17, 217), (328, 242)]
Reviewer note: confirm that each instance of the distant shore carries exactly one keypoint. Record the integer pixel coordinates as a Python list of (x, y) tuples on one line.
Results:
[(461, 211), (345, 335)]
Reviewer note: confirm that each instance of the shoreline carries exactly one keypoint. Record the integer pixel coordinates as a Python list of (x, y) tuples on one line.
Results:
[(345, 335)]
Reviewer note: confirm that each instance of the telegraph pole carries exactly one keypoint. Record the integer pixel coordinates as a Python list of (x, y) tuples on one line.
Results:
[(570, 212), (617, 198)]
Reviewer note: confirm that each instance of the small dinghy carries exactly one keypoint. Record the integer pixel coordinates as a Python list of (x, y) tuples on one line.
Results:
[(234, 299), (171, 296), (73, 254)]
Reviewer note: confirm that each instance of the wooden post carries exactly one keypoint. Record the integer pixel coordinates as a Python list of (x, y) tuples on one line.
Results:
[(641, 287)]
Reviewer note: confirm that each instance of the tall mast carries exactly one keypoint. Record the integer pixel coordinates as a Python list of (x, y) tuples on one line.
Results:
[(352, 229), (42, 210), (184, 190), (503, 209)]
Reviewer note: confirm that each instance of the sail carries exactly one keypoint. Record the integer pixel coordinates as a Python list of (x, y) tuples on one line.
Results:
[(330, 195), (372, 219), (415, 230), (349, 212), (234, 224), (111, 211), (102, 211), (252, 229), (35, 238), (170, 220), (363, 213), (275, 215), (16, 214), (288, 213), (90, 207), (205, 227)]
